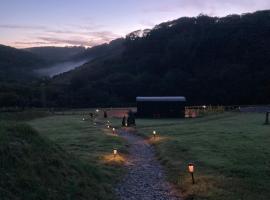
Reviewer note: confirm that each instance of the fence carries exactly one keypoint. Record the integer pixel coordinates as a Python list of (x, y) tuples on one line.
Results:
[(197, 111)]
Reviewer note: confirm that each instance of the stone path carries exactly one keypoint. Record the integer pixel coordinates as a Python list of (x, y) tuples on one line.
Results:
[(145, 179)]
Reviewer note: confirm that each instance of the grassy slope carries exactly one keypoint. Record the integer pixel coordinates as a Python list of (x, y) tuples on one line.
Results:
[(231, 152), (23, 115), (91, 145), (67, 159)]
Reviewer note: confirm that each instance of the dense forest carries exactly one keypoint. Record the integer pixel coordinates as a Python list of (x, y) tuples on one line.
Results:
[(17, 65), (209, 60), (56, 54)]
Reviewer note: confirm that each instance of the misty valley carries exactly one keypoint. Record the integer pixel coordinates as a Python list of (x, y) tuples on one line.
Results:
[(59, 68)]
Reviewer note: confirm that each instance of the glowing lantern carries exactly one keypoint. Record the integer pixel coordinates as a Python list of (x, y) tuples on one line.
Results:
[(191, 169), (83, 119), (114, 152), (108, 126), (154, 133), (97, 110), (113, 130), (126, 124)]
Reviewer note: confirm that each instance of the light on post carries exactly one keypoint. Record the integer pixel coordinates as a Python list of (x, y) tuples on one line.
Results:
[(154, 133), (113, 130), (191, 169), (114, 153)]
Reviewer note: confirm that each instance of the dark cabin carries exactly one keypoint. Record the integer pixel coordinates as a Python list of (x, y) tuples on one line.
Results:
[(161, 107)]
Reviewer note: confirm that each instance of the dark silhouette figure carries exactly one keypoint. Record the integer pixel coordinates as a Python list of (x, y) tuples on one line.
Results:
[(105, 114), (131, 119), (124, 121), (266, 118)]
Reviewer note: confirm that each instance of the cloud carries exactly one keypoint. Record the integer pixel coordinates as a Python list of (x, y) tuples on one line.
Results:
[(57, 41), (31, 43), (89, 39), (147, 23), (65, 35), (15, 26), (104, 35)]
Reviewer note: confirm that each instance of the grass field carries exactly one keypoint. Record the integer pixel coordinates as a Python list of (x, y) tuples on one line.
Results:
[(63, 157), (231, 153), (92, 144), (70, 157)]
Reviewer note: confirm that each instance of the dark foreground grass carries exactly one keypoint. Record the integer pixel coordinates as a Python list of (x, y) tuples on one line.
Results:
[(231, 152), (35, 168), (23, 115), (92, 145), (66, 159)]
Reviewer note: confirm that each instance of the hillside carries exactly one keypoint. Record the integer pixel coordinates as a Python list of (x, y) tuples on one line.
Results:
[(209, 60), (34, 91), (17, 64), (56, 54), (101, 50), (33, 168)]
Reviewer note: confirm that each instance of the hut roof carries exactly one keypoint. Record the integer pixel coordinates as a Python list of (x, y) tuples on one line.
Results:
[(163, 98)]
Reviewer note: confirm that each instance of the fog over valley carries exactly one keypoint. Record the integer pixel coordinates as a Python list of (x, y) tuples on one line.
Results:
[(59, 68)]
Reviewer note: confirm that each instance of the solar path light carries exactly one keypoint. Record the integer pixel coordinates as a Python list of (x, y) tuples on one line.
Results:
[(191, 168), (114, 152), (154, 134)]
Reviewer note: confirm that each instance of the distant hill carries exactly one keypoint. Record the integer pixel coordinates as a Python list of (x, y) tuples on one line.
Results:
[(209, 60), (19, 66), (16, 64), (56, 54), (101, 50), (63, 59)]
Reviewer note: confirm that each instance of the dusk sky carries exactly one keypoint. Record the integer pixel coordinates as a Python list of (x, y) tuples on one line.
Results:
[(26, 23)]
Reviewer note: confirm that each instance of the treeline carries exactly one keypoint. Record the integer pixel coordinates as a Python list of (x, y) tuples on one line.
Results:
[(209, 60)]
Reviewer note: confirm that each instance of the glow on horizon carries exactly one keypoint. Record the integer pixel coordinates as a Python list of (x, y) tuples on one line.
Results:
[(91, 22)]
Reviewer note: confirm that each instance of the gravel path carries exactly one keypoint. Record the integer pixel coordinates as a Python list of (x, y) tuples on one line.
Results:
[(145, 179)]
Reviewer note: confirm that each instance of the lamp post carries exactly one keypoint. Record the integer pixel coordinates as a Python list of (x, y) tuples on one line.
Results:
[(113, 129), (191, 171)]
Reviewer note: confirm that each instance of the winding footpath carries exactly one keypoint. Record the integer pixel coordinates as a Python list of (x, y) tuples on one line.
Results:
[(145, 179)]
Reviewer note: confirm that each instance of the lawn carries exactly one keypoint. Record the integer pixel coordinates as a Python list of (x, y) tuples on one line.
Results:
[(92, 144), (231, 153), (58, 157)]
